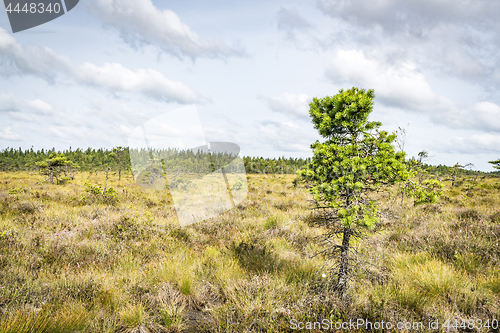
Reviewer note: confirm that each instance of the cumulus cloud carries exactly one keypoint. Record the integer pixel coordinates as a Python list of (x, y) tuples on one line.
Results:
[(11, 104), (399, 85), (115, 77), (459, 39), (139, 22), (46, 64), (397, 15), (290, 105), (35, 60)]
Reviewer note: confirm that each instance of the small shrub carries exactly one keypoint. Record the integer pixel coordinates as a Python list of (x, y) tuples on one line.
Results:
[(111, 196), (63, 180), (111, 193), (238, 185), (93, 189), (125, 229), (15, 191)]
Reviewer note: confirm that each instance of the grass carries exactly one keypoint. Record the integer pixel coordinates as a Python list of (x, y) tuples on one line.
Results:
[(133, 316), (74, 261)]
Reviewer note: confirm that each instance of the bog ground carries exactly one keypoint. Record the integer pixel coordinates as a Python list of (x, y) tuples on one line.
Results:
[(72, 260)]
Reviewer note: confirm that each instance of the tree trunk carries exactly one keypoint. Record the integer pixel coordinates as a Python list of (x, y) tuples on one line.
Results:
[(51, 176), (344, 264), (105, 182), (119, 169)]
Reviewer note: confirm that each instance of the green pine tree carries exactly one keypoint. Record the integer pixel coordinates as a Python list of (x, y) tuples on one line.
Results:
[(355, 160)]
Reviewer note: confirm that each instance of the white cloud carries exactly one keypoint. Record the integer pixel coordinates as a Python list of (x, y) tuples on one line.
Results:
[(8, 134), (474, 144), (290, 104), (397, 16), (15, 106), (140, 22), (399, 85), (44, 63), (458, 39), (402, 86), (115, 77), (41, 107), (38, 60)]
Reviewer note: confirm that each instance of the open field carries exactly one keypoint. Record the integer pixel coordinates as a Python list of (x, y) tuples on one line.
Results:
[(74, 261)]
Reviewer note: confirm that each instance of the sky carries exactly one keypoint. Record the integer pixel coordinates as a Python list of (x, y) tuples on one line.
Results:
[(250, 68)]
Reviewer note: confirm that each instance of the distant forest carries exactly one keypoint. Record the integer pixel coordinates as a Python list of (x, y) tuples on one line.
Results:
[(92, 160), (102, 159)]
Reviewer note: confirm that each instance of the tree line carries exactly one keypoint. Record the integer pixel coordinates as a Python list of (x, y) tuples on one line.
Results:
[(118, 159)]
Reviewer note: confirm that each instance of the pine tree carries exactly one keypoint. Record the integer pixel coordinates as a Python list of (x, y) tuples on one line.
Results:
[(355, 160), (53, 166)]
